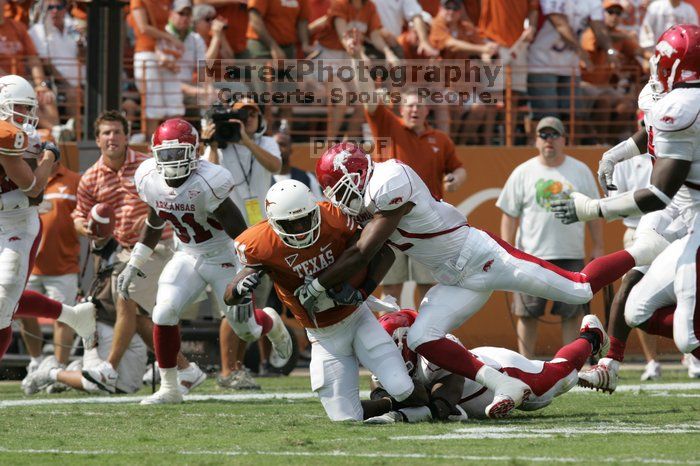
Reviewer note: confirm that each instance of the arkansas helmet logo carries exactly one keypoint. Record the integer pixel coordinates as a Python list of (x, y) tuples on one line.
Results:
[(669, 120), (396, 200), (488, 265), (665, 49)]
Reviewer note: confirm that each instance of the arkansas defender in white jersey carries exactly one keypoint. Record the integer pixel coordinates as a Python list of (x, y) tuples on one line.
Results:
[(452, 397), (191, 195), (676, 140), (21, 185), (469, 264)]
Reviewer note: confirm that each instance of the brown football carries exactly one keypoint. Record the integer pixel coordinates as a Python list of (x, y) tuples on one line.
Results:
[(101, 220)]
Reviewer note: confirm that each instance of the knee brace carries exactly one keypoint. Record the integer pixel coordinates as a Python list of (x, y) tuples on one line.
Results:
[(166, 314), (241, 318)]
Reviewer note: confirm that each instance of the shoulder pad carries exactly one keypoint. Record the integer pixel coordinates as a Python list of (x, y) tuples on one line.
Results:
[(13, 141), (216, 177), (674, 113), (142, 172), (392, 188)]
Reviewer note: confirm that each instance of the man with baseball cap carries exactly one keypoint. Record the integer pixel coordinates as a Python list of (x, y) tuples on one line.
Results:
[(525, 202), (252, 161)]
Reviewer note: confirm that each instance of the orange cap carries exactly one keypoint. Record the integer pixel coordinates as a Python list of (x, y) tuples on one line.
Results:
[(243, 103), (610, 3)]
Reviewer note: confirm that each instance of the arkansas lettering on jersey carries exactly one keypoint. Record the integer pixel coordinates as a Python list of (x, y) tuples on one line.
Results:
[(260, 247), (189, 207)]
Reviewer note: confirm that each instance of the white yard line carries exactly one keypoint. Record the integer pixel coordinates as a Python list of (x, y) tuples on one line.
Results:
[(342, 454), (244, 397)]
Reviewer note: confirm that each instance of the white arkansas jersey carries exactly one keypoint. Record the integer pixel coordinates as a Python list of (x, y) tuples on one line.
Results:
[(189, 207), (676, 127), (433, 232)]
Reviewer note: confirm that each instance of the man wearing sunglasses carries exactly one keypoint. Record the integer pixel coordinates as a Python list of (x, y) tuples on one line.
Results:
[(525, 202)]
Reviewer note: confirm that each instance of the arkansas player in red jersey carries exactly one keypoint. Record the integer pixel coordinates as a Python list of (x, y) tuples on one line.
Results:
[(300, 239)]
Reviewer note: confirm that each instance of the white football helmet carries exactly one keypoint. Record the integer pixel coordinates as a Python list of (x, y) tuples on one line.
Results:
[(15, 90), (293, 213)]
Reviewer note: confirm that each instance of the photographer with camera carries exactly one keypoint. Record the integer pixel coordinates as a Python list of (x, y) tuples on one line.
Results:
[(234, 138)]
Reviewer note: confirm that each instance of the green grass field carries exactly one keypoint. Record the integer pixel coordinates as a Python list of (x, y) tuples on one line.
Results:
[(659, 424)]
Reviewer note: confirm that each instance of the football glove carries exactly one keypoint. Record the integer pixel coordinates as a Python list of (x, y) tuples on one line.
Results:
[(248, 284), (126, 277), (578, 208), (347, 295)]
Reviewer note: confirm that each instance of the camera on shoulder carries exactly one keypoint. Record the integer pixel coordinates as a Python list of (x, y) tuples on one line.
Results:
[(226, 132)]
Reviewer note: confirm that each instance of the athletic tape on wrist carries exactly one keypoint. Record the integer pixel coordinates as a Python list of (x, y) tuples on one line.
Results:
[(621, 206), (140, 255)]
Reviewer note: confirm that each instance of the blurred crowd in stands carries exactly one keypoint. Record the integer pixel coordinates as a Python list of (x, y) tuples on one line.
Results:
[(581, 60)]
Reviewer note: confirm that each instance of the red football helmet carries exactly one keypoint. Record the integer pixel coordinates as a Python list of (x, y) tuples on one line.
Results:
[(174, 145), (677, 56), (397, 324), (343, 171)]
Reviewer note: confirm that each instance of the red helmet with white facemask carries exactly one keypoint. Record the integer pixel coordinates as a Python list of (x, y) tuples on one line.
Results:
[(174, 145), (343, 172), (677, 57), (397, 324)]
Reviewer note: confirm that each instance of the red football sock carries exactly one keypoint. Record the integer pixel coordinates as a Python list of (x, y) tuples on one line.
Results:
[(5, 340), (576, 353), (33, 304), (617, 349), (451, 356), (263, 320), (605, 270), (661, 322), (166, 342)]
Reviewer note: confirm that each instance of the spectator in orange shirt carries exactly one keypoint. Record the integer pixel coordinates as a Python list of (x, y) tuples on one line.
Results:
[(211, 28), (456, 37), (150, 18), (15, 47), (600, 84), (430, 152), (235, 13), (55, 272)]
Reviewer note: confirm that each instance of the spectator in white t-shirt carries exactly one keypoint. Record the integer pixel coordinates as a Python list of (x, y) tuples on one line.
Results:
[(394, 15), (661, 15), (56, 42), (288, 172), (555, 53), (525, 200)]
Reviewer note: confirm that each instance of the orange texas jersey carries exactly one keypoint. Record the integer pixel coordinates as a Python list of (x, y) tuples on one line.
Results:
[(259, 246), (13, 141)]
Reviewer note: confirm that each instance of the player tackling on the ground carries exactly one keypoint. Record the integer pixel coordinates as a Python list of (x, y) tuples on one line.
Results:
[(449, 392)]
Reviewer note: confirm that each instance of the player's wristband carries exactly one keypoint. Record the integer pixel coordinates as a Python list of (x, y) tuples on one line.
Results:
[(140, 255), (30, 187), (50, 146), (620, 206)]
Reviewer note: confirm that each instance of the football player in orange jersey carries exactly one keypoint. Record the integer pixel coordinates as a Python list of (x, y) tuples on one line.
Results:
[(297, 242), (21, 187)]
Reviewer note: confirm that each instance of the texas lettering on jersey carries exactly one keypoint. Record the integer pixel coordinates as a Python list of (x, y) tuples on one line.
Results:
[(315, 265)]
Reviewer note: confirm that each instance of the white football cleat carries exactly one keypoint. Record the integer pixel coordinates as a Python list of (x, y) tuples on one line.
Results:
[(84, 322), (190, 378), (40, 378), (591, 323), (652, 371), (34, 364), (103, 375), (603, 376), (163, 396), (392, 417), (508, 396), (280, 339), (693, 366)]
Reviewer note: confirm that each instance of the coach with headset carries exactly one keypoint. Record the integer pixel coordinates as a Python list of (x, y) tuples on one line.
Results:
[(252, 161)]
